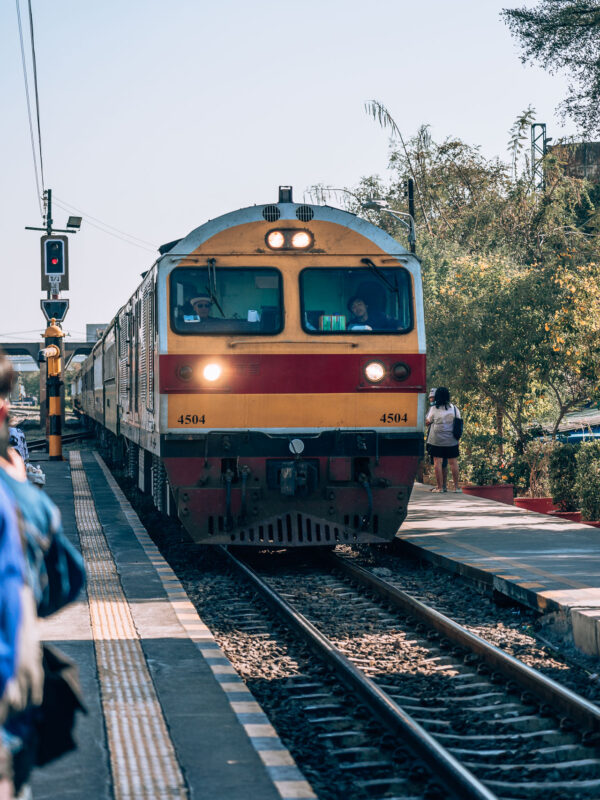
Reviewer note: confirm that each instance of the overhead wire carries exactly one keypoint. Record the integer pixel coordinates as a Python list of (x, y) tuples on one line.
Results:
[(106, 228), (24, 61), (39, 170), (37, 97)]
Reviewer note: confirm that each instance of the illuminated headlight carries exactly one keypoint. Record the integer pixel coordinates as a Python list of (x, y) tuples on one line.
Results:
[(289, 239), (276, 240), (212, 372), (301, 239), (401, 371), (375, 372)]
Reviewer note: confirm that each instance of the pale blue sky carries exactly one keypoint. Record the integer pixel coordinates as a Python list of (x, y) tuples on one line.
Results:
[(156, 117)]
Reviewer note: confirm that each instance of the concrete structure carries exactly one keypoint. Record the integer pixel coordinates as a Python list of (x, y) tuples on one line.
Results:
[(168, 714), (32, 349), (539, 560)]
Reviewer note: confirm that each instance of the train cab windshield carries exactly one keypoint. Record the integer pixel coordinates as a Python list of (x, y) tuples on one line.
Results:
[(358, 301), (217, 300)]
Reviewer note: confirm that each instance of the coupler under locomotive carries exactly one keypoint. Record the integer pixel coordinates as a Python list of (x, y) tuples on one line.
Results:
[(298, 498)]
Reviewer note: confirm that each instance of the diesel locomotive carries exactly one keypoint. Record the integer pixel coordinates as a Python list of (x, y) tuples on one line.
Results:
[(266, 380)]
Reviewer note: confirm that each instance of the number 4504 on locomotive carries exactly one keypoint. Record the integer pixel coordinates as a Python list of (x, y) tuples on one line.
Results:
[(266, 381)]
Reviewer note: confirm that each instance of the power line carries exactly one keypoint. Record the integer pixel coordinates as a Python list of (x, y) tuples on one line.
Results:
[(23, 59), (37, 98), (106, 228)]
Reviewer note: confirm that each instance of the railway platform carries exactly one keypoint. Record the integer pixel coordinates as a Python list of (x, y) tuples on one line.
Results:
[(544, 562), (168, 716)]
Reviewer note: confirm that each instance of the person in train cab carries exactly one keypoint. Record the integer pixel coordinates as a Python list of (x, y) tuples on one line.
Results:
[(202, 307), (53, 577), (368, 320), (428, 447), (440, 437)]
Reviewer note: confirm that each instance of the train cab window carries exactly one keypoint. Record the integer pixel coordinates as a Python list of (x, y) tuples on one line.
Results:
[(226, 300), (357, 301)]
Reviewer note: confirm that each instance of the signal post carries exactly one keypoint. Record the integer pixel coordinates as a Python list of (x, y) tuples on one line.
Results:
[(51, 354), (55, 278)]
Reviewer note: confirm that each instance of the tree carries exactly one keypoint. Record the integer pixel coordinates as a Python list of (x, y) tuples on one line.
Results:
[(511, 285), (565, 35)]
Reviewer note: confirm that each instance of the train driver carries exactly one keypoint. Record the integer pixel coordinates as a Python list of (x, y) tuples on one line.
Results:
[(202, 306), (363, 319)]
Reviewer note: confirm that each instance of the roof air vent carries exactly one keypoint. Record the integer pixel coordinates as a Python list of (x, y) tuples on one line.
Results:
[(271, 213), (305, 213)]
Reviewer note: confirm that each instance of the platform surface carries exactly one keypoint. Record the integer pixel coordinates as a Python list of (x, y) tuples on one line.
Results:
[(542, 561), (154, 679)]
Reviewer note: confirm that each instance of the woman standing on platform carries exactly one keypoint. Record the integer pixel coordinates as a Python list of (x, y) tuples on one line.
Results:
[(441, 440)]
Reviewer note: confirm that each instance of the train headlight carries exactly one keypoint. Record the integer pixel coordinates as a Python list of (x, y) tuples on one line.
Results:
[(212, 372), (289, 239), (185, 372), (400, 371), (276, 240), (375, 372), (301, 240)]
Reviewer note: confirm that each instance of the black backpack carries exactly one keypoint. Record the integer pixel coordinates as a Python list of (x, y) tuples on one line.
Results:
[(457, 426)]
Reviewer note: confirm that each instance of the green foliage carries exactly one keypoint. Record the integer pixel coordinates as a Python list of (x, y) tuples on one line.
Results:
[(31, 382), (518, 470), (565, 35), (587, 482), (482, 462), (562, 472), (511, 277)]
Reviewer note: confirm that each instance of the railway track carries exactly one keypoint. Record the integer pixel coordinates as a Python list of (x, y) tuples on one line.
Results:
[(68, 438), (486, 725)]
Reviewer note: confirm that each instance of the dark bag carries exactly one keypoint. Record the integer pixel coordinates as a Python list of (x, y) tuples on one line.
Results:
[(62, 699), (457, 426)]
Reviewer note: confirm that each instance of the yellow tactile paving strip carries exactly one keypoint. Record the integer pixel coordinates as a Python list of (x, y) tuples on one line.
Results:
[(142, 757), (279, 763)]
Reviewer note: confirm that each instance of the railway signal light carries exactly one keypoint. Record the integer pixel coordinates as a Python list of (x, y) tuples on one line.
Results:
[(55, 263), (54, 257)]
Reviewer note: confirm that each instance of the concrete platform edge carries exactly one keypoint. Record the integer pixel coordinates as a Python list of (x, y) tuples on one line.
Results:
[(580, 623), (275, 758)]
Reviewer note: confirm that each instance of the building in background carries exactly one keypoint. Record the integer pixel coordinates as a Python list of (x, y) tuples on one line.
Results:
[(93, 331), (581, 159)]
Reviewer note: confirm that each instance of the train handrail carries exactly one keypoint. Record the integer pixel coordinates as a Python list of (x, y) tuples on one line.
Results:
[(236, 342)]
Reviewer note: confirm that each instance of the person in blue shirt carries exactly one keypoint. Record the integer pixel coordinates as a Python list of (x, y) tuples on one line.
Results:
[(53, 576), (11, 583)]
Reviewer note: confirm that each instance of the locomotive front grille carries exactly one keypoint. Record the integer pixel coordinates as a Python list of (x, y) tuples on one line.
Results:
[(292, 530)]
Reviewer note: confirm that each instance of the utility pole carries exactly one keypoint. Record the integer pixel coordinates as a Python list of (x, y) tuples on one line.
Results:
[(54, 279), (539, 148), (52, 355), (410, 190)]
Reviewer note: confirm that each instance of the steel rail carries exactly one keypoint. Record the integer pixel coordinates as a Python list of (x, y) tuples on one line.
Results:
[(446, 768), (40, 444), (558, 697)]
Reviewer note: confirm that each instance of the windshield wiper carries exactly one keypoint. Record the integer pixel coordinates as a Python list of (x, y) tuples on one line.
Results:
[(211, 287), (381, 275)]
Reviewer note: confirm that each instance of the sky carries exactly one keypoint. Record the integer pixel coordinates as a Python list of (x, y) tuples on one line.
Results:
[(156, 117)]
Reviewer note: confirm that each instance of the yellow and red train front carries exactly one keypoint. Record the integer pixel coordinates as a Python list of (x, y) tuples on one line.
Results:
[(286, 419)]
